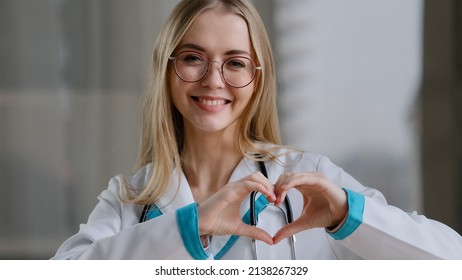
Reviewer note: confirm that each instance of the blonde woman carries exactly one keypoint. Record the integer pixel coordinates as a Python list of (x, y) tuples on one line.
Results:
[(215, 182)]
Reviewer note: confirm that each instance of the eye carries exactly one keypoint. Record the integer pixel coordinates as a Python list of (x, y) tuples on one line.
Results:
[(191, 58), (236, 63)]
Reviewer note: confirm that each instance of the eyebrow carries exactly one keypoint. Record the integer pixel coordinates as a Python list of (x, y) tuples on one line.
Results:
[(202, 49)]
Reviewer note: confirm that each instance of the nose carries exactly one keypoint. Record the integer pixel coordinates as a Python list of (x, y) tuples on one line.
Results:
[(214, 77)]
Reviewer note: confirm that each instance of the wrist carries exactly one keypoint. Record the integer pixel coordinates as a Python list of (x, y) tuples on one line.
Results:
[(336, 226), (354, 217), (341, 210), (201, 225)]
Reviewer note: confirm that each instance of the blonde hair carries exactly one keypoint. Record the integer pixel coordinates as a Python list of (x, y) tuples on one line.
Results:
[(162, 128)]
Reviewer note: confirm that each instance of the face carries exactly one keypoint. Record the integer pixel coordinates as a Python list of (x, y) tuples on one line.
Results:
[(210, 104)]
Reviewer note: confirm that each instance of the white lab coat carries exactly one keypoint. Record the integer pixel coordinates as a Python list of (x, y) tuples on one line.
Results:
[(113, 230)]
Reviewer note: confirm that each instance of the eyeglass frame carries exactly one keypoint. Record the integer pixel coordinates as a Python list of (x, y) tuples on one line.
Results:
[(207, 68)]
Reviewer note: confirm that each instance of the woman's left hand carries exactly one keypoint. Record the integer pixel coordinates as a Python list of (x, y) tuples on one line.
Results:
[(324, 204)]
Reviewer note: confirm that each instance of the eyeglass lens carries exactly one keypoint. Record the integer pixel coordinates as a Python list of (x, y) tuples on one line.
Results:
[(237, 71)]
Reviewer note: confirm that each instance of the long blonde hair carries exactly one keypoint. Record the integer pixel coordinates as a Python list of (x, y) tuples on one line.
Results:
[(162, 128)]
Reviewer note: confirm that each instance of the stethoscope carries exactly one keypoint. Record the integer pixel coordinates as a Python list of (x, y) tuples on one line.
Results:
[(288, 214), (253, 215)]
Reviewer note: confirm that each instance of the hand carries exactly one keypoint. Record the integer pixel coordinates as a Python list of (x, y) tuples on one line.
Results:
[(220, 214), (324, 204)]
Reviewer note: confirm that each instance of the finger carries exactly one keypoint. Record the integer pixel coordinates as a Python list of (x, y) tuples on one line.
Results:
[(280, 198), (282, 179), (255, 233), (289, 230), (258, 182), (308, 179), (281, 188), (312, 181)]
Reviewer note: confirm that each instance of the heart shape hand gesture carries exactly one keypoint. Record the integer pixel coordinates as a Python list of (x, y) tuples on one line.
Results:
[(324, 205)]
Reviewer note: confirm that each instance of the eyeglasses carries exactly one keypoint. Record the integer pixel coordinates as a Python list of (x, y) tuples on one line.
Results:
[(238, 71)]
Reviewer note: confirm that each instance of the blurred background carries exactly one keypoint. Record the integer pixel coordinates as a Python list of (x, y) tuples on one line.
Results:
[(376, 85)]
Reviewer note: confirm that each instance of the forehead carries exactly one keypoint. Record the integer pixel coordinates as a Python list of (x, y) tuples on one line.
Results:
[(218, 31)]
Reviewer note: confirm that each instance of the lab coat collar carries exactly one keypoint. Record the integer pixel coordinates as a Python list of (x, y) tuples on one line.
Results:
[(178, 193)]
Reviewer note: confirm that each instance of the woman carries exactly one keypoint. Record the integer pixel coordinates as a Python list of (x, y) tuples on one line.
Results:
[(210, 135)]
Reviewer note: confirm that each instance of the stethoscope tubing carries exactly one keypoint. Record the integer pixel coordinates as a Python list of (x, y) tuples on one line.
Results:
[(254, 219), (253, 216)]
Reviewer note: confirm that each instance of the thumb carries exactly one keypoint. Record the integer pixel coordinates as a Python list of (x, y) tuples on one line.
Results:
[(255, 233)]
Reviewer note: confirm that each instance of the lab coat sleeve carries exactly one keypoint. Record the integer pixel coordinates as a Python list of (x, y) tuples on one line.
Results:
[(387, 232), (114, 233)]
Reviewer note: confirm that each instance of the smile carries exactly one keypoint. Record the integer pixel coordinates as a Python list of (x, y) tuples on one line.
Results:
[(211, 102)]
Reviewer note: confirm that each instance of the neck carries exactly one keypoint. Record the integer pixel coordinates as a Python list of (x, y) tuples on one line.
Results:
[(208, 161)]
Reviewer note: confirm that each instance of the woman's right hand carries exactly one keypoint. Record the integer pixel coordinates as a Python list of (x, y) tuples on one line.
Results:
[(220, 214)]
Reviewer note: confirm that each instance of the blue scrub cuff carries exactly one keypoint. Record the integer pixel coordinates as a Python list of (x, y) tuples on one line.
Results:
[(188, 225), (355, 215)]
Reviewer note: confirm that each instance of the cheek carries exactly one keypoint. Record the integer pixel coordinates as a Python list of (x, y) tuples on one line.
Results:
[(250, 100), (248, 94)]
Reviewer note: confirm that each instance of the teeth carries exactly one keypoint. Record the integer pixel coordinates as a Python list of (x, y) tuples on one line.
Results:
[(212, 102)]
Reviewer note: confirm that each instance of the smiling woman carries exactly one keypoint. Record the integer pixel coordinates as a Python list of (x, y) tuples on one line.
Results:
[(210, 141), (213, 103)]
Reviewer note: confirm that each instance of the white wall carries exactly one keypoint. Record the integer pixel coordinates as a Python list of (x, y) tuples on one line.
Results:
[(349, 74)]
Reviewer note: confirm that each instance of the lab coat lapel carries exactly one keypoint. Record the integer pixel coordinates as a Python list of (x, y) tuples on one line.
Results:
[(178, 193), (244, 168)]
